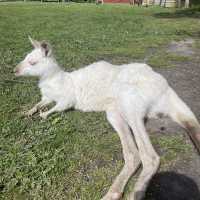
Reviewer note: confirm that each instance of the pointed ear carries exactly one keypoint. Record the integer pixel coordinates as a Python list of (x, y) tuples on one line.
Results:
[(35, 43), (46, 48)]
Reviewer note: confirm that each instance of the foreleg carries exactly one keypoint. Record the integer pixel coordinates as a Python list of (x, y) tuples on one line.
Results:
[(45, 101), (57, 108)]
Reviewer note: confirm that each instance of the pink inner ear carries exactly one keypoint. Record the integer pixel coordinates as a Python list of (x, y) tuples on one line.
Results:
[(32, 62)]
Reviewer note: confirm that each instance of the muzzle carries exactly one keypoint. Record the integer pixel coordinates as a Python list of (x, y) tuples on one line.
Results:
[(17, 70)]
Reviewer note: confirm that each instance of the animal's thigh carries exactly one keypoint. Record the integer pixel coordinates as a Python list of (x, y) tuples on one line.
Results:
[(131, 102)]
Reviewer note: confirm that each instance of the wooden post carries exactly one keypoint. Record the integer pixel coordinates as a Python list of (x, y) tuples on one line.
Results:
[(179, 3)]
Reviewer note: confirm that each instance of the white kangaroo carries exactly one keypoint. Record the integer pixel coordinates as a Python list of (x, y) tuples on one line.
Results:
[(127, 93)]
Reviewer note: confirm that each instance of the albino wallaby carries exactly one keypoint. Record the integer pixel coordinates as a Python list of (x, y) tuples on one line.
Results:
[(127, 93)]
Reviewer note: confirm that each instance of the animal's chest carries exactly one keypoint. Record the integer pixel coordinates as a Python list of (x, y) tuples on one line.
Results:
[(53, 92), (94, 94)]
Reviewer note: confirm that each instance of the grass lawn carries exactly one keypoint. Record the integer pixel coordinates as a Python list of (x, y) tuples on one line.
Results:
[(75, 155)]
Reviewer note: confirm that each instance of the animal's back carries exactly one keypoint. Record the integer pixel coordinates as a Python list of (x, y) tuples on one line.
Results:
[(97, 84), (142, 85), (141, 78)]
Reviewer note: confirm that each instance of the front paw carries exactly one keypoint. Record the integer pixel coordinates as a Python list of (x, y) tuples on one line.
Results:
[(43, 115), (30, 112)]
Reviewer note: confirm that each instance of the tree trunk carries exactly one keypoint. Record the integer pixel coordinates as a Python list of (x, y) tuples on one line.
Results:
[(179, 3)]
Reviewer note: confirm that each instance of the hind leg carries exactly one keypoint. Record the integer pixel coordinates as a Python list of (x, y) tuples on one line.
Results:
[(150, 159), (134, 115), (130, 152)]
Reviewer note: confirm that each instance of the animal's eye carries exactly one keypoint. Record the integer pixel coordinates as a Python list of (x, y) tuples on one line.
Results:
[(32, 62)]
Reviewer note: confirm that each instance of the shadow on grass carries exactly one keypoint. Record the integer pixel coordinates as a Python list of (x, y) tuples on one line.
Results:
[(191, 12), (172, 186)]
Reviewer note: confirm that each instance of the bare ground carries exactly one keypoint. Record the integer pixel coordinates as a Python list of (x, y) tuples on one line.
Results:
[(185, 79)]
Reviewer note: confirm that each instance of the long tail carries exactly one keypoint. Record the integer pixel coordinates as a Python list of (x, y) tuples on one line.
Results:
[(183, 115)]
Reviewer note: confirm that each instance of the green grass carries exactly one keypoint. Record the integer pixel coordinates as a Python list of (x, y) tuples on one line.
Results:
[(73, 155)]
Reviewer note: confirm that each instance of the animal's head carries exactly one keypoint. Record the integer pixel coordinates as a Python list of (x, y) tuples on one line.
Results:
[(37, 62)]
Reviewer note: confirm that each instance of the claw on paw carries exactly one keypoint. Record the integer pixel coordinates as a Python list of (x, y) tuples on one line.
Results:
[(116, 196), (113, 196), (43, 115)]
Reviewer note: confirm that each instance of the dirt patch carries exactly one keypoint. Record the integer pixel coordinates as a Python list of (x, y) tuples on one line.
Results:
[(185, 79), (182, 48)]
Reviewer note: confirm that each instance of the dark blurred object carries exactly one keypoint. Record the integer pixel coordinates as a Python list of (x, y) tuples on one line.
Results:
[(172, 186)]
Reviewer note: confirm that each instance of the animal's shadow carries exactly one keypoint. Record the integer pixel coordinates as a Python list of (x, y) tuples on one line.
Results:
[(172, 186)]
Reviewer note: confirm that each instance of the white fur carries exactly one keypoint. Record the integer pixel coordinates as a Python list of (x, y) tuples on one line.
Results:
[(127, 93)]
